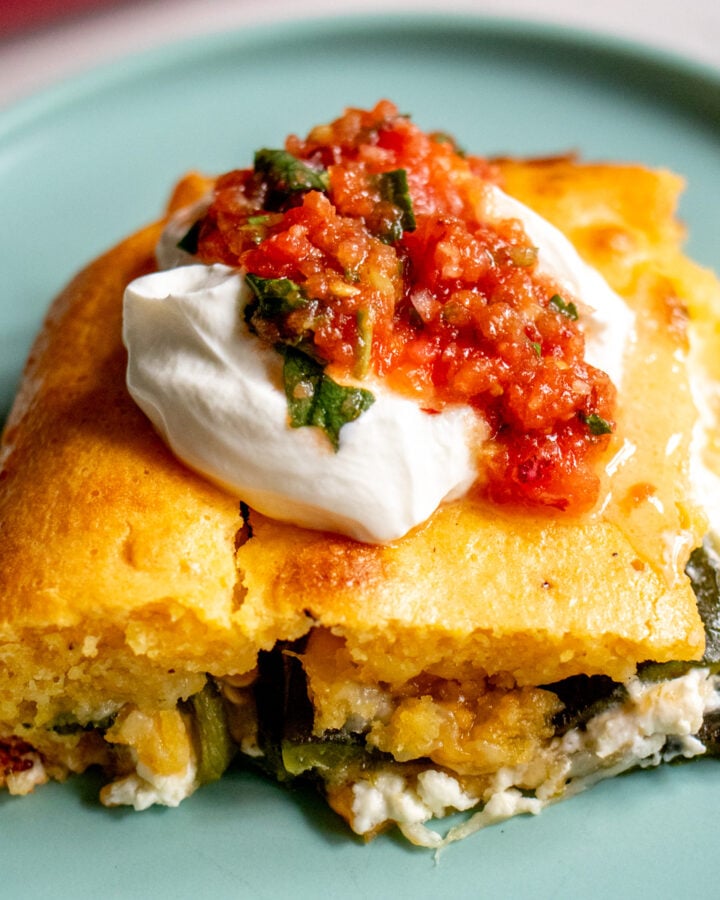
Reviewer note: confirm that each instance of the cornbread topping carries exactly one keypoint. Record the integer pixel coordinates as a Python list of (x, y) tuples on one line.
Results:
[(362, 325)]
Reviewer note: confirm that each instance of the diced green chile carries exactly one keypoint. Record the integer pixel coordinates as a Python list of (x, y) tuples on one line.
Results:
[(256, 227), (269, 313), (523, 257), (442, 137), (393, 214)]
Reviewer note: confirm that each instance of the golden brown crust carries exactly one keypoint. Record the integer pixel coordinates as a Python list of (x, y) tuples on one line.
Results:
[(541, 598), (100, 526), (104, 533), (454, 595)]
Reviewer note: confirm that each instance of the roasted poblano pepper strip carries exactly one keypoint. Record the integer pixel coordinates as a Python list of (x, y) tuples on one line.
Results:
[(215, 748), (323, 756), (585, 696), (285, 724), (703, 570)]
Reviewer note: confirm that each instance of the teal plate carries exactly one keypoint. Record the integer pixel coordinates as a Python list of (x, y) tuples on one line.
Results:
[(87, 162)]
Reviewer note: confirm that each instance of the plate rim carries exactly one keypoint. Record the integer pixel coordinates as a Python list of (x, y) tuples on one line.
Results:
[(98, 78)]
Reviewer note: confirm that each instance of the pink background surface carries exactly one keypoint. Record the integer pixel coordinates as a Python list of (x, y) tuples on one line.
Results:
[(20, 14)]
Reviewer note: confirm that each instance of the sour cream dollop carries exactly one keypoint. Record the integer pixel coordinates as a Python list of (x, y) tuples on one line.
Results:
[(214, 392)]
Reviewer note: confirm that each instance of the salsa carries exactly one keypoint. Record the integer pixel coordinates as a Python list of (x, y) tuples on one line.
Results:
[(368, 253)]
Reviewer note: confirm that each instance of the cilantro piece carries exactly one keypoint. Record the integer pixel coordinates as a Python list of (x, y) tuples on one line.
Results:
[(567, 309), (285, 175), (394, 189), (256, 227), (189, 243), (597, 424), (393, 213), (537, 348), (269, 314), (316, 399), (275, 296)]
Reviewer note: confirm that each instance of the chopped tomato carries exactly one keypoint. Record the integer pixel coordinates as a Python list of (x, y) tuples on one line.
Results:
[(380, 228)]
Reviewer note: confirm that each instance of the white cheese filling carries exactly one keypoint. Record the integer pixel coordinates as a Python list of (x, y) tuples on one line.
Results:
[(144, 788), (25, 781), (214, 392), (656, 723)]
